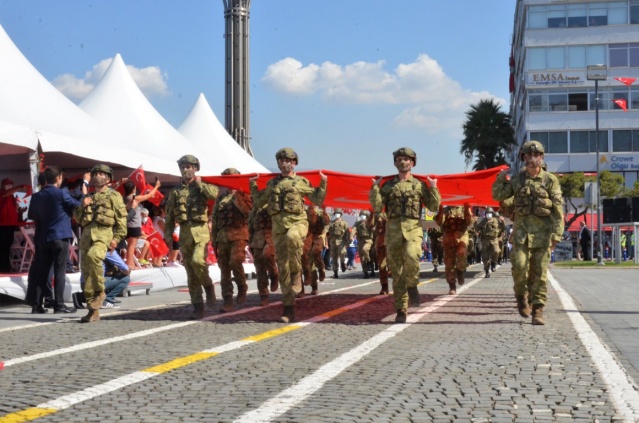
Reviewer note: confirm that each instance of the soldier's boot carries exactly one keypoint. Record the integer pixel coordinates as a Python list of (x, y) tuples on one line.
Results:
[(460, 277), (296, 282), (275, 283), (241, 294), (493, 267), (413, 297), (96, 302), (307, 277), (322, 275), (401, 316), (365, 274), (209, 291), (227, 307), (289, 314), (263, 300), (538, 314), (343, 266), (198, 312), (92, 316), (371, 268), (434, 268), (487, 273), (452, 289), (335, 276), (314, 286), (384, 290), (522, 306), (301, 293)]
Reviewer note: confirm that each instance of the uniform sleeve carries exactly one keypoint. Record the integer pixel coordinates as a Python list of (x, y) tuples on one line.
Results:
[(502, 188), (210, 191), (439, 217), (119, 229), (431, 197), (259, 197), (468, 217), (557, 212), (216, 211), (315, 195), (375, 198)]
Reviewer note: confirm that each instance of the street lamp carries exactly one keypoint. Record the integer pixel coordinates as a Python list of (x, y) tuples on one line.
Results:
[(597, 73)]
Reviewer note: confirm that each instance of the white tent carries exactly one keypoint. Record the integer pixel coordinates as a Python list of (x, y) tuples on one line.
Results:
[(202, 127), (33, 112), (118, 103)]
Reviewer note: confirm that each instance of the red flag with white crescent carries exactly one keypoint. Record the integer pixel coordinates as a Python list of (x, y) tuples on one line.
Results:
[(157, 245), (137, 177), (621, 103), (627, 81), (157, 197)]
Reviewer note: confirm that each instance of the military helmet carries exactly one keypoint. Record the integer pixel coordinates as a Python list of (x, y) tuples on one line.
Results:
[(230, 171), (189, 159), (287, 153), (338, 211), (104, 169), (405, 151), (531, 147), (364, 213), (490, 210)]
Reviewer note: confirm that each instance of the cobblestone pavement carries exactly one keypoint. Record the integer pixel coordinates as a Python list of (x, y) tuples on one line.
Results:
[(463, 358)]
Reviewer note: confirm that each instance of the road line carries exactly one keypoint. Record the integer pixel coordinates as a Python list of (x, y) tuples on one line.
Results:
[(302, 390), (623, 391)]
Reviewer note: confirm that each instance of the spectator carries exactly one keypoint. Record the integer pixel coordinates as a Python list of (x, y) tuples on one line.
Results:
[(8, 220), (351, 252), (116, 279), (134, 218), (585, 241), (148, 229)]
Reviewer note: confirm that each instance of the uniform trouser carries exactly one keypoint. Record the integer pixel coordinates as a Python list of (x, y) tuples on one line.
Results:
[(288, 253), (530, 272), (403, 261), (230, 257), (92, 255), (438, 252), (338, 257), (312, 261), (194, 260), (380, 257), (489, 252), (265, 267), (364, 251), (454, 258)]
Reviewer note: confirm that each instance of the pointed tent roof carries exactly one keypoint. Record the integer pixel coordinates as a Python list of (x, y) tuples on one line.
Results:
[(118, 103), (203, 128), (33, 111)]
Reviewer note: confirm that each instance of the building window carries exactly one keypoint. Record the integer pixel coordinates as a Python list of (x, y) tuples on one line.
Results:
[(623, 55), (604, 100), (634, 99), (553, 142), (621, 140), (538, 103), (634, 11), (586, 142), (570, 57), (577, 102), (577, 15), (618, 13), (619, 95), (583, 14)]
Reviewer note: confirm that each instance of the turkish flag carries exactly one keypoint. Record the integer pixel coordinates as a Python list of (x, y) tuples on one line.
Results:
[(137, 177), (157, 197), (621, 103), (627, 81), (157, 245)]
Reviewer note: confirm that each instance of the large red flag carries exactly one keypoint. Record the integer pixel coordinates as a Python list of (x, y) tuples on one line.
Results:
[(157, 245), (137, 177), (157, 197), (627, 81), (621, 103)]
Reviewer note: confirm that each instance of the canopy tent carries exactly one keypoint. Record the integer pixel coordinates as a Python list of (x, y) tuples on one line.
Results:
[(202, 127)]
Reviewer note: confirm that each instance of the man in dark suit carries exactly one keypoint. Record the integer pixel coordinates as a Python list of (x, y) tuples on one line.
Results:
[(584, 241)]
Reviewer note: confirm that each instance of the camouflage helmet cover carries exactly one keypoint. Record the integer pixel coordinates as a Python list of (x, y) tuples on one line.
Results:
[(405, 151), (338, 211), (490, 210), (287, 153), (102, 168), (189, 159), (531, 147), (364, 213), (230, 171)]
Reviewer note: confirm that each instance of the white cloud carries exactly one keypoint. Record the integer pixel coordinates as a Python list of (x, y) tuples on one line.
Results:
[(433, 100), (151, 80)]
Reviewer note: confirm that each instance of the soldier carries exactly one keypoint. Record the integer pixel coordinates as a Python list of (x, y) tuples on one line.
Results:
[(379, 229), (502, 237), (402, 198), (437, 254), (188, 206), (488, 232), (284, 196), (538, 226), (263, 250), (312, 262), (229, 236), (338, 238), (454, 223), (102, 216), (364, 234), (472, 235)]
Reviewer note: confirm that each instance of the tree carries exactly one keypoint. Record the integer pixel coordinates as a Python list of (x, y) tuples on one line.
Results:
[(572, 186), (488, 135)]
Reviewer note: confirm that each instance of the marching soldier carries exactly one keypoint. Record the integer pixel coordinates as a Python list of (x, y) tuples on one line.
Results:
[(102, 216), (402, 197), (364, 234), (454, 223), (263, 250), (488, 230), (312, 261), (338, 238), (229, 236), (187, 206), (284, 196), (380, 250), (437, 249)]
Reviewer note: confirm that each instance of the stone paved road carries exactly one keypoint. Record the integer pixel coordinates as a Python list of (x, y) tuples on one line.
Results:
[(463, 358)]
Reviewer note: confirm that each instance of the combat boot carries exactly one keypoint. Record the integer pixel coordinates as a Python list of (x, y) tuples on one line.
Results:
[(227, 307), (198, 312), (92, 316), (314, 292), (413, 297), (493, 267), (365, 274), (210, 296), (275, 283), (241, 294), (452, 290), (296, 282), (335, 274), (384, 290), (289, 314), (434, 268), (522, 306), (343, 266), (300, 294), (307, 277), (263, 300), (401, 317), (96, 302), (487, 273), (322, 275), (538, 314), (460, 277)]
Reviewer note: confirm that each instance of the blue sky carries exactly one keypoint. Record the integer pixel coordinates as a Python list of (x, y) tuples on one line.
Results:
[(343, 82)]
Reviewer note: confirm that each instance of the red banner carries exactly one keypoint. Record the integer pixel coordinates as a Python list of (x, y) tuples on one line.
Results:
[(350, 191), (137, 177), (157, 197), (157, 245)]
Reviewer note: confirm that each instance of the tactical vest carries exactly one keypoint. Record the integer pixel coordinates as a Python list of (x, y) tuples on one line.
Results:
[(189, 208), (315, 221), (363, 232), (404, 202), (455, 224), (262, 221), (380, 227), (490, 229), (227, 214), (531, 198), (337, 229), (101, 210), (284, 196)]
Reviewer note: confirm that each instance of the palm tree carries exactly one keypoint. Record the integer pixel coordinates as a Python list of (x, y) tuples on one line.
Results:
[(488, 135)]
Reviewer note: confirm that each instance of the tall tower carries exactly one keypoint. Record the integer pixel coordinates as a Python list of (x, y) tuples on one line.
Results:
[(236, 15)]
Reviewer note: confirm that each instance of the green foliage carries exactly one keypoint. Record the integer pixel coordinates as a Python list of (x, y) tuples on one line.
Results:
[(612, 184), (572, 184)]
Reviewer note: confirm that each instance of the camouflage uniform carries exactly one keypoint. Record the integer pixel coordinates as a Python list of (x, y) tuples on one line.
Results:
[(229, 236), (472, 235), (538, 220), (338, 238), (488, 230), (263, 250), (502, 237), (379, 229), (454, 224), (437, 249), (363, 231), (102, 222), (312, 261), (402, 202)]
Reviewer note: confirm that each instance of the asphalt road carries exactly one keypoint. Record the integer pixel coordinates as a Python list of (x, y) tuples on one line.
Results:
[(463, 358)]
